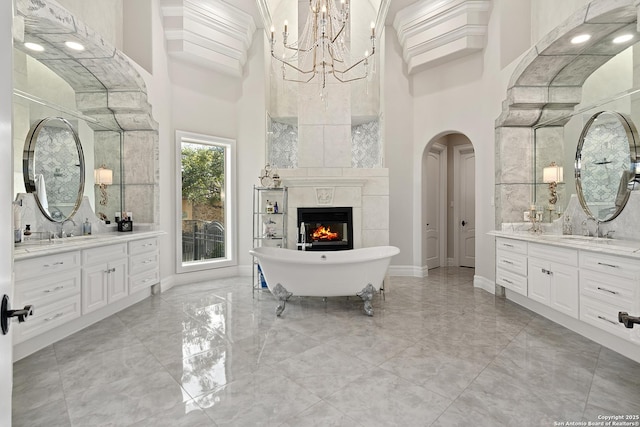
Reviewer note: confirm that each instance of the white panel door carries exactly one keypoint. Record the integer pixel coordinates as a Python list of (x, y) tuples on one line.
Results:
[(433, 186), (465, 170), (6, 210)]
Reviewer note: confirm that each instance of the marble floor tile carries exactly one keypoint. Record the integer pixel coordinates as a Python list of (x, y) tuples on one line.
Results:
[(52, 413), (125, 401), (385, 399), (264, 398), (437, 352), (106, 367)]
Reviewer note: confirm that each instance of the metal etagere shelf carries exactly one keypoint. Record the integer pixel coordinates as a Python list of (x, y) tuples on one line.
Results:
[(269, 223)]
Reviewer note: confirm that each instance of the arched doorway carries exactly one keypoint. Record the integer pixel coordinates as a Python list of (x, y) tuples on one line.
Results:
[(448, 202)]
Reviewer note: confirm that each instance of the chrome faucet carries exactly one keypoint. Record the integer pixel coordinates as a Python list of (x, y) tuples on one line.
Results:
[(62, 232), (585, 227)]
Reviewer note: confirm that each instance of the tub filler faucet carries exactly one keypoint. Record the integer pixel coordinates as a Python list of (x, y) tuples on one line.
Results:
[(303, 238)]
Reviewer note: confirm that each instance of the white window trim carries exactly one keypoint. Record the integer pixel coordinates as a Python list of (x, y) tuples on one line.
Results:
[(230, 220)]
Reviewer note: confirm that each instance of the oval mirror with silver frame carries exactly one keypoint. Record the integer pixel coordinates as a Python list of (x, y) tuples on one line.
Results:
[(53, 167), (606, 164)]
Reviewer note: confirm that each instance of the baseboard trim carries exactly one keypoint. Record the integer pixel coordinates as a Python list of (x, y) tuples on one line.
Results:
[(408, 271), (484, 284)]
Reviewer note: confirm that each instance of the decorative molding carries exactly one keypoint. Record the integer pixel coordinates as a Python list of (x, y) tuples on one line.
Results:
[(210, 33), (325, 181), (433, 32), (324, 195)]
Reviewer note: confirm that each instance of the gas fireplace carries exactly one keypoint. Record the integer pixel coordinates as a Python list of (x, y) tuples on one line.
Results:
[(325, 229)]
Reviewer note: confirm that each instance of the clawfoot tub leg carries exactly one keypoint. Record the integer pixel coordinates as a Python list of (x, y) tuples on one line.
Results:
[(366, 295), (282, 295)]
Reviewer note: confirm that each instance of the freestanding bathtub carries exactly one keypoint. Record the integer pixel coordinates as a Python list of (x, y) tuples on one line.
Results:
[(324, 273)]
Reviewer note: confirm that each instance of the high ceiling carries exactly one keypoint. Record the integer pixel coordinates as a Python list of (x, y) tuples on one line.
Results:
[(218, 33)]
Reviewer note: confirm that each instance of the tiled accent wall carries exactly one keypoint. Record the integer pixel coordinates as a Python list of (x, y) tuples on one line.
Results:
[(600, 178), (366, 148), (282, 149)]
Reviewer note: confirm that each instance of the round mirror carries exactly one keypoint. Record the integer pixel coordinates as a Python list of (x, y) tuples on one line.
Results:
[(53, 167), (606, 164)]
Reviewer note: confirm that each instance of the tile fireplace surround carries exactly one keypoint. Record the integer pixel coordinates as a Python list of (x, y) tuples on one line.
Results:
[(365, 190)]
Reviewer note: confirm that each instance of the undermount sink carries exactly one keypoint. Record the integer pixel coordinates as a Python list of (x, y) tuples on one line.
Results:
[(76, 238), (624, 245)]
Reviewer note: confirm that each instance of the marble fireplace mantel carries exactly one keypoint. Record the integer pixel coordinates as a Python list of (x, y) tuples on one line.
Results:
[(365, 190), (335, 181)]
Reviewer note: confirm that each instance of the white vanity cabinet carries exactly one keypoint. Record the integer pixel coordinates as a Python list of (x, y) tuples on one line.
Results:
[(52, 285), (553, 277), (608, 285), (143, 264), (104, 276), (581, 284), (75, 283), (511, 265)]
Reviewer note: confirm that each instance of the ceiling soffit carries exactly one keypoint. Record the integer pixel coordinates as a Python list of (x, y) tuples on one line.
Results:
[(433, 32), (211, 33)]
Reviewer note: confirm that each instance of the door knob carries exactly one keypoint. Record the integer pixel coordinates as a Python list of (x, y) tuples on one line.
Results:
[(628, 321), (464, 223), (6, 313)]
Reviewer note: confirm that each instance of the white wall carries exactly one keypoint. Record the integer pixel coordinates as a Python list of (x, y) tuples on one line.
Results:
[(398, 139), (462, 96)]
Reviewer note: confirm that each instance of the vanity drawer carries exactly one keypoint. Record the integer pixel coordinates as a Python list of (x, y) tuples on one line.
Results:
[(46, 265), (604, 316), (512, 246), (48, 317), (143, 280), (143, 262), (513, 262), (143, 245), (104, 253), (610, 289), (511, 281), (623, 267), (555, 254), (45, 290)]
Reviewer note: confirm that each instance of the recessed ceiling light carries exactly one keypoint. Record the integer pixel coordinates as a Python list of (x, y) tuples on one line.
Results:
[(74, 45), (34, 46), (623, 38), (581, 38)]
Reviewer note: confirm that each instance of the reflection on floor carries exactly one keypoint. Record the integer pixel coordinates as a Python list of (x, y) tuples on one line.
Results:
[(437, 352)]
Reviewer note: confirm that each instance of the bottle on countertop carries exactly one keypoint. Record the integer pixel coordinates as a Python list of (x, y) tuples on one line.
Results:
[(27, 229), (567, 227), (86, 227)]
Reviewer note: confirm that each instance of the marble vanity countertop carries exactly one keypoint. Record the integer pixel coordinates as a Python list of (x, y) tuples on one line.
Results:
[(627, 248), (35, 248)]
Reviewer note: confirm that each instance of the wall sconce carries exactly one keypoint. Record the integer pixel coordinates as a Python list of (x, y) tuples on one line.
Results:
[(103, 177), (552, 175)]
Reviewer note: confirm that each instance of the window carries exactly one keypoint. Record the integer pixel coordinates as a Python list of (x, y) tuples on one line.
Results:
[(205, 199)]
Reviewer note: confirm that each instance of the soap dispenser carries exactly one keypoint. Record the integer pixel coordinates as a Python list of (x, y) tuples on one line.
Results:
[(86, 227)]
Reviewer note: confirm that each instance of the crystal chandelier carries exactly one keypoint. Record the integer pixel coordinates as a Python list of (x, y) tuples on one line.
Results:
[(322, 48)]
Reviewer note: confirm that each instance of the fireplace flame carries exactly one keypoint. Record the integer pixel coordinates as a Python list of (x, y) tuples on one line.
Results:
[(324, 233)]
